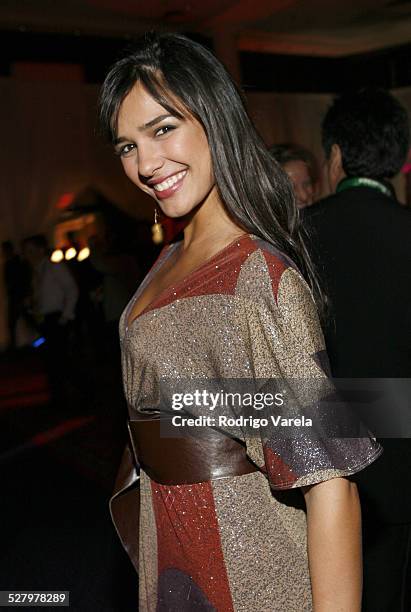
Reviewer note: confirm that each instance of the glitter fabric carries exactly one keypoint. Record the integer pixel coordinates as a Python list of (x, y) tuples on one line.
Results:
[(231, 543)]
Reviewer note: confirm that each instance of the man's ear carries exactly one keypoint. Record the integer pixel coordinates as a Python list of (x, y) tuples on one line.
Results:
[(335, 168), (336, 159)]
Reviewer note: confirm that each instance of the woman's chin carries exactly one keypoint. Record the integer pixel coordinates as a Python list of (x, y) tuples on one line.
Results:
[(174, 211), (173, 214)]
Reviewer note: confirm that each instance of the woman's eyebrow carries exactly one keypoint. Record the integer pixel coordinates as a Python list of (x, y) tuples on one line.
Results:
[(145, 126), (154, 121)]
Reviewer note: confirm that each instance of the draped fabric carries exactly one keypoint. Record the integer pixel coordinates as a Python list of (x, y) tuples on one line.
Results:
[(225, 543)]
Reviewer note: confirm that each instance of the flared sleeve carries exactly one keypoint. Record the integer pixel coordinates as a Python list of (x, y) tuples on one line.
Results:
[(311, 437)]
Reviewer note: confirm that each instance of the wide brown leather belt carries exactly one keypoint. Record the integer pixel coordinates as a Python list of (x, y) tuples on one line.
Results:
[(198, 455)]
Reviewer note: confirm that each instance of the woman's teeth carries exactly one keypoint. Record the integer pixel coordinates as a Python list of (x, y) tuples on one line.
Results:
[(170, 181)]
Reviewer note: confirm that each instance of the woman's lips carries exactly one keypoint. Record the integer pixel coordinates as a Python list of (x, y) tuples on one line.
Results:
[(169, 186)]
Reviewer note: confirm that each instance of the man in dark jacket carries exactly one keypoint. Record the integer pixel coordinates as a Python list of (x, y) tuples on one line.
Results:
[(360, 241)]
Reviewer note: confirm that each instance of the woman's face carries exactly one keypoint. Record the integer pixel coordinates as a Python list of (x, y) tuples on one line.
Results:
[(166, 157), (303, 186)]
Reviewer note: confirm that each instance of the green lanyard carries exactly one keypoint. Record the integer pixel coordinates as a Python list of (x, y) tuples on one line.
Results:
[(348, 183)]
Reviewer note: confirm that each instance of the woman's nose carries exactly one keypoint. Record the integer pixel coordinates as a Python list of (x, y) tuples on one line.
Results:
[(149, 161)]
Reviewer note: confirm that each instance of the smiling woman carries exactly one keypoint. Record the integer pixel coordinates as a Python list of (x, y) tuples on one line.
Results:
[(228, 303), (166, 156)]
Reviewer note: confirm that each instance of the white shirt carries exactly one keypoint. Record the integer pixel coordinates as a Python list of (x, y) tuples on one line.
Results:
[(54, 289)]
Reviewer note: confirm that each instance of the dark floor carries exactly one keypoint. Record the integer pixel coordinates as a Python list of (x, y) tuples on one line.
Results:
[(57, 467)]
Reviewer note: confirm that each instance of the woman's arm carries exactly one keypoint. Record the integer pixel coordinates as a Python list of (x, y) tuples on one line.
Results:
[(334, 545)]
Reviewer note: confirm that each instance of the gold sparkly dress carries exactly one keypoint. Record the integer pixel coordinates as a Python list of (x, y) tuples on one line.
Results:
[(238, 542)]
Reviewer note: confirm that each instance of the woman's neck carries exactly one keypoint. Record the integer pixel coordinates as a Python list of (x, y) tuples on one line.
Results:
[(210, 228)]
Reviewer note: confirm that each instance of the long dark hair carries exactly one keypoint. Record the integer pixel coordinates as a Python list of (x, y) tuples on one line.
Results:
[(253, 187)]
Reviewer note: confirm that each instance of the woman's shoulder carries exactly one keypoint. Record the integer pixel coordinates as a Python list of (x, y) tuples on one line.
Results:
[(271, 253), (264, 267), (274, 296)]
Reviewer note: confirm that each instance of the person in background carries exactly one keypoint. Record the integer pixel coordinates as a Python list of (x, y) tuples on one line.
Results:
[(53, 302), (302, 170), (54, 289), (360, 240), (17, 284), (120, 273)]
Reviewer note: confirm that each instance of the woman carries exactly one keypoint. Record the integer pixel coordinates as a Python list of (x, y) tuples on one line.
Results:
[(225, 303)]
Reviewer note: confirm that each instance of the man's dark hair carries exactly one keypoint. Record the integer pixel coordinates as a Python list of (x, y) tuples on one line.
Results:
[(372, 130)]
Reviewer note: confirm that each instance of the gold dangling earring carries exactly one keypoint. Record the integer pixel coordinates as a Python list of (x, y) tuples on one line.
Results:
[(156, 229)]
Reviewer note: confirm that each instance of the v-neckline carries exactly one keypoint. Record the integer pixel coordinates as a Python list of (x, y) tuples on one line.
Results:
[(156, 268)]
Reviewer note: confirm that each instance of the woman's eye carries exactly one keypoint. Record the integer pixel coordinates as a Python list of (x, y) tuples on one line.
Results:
[(164, 130), (125, 150)]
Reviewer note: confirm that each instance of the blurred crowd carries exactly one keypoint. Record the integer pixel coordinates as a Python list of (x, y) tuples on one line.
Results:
[(68, 311)]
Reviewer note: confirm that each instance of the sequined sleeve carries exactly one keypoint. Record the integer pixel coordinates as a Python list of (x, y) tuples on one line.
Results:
[(286, 345)]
